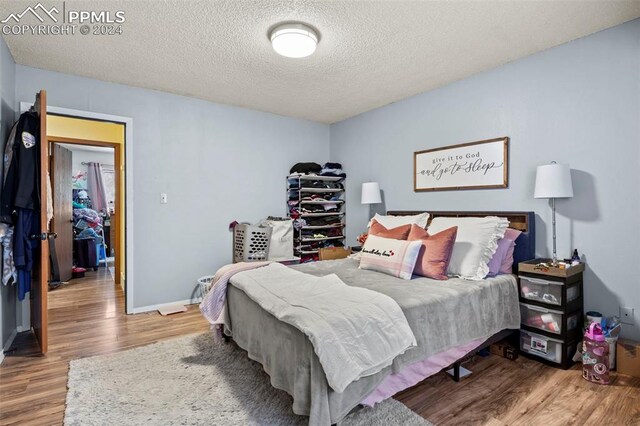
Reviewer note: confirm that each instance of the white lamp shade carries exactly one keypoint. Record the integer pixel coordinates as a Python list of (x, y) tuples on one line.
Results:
[(371, 193), (553, 181)]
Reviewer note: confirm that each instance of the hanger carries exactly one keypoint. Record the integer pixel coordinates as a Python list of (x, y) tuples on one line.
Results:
[(36, 105)]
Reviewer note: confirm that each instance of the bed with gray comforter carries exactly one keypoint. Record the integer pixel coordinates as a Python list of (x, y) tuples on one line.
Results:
[(441, 314)]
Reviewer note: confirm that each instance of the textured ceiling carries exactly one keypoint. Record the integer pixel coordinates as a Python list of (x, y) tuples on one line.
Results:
[(370, 53)]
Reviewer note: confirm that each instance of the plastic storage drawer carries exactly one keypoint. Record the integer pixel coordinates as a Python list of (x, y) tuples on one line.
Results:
[(545, 291), (547, 348), (548, 320)]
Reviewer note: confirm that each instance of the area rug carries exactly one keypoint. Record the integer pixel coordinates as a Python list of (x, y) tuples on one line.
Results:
[(192, 381)]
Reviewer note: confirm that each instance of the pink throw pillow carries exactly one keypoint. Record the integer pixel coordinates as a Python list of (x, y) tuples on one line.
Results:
[(397, 233), (435, 253), (507, 263)]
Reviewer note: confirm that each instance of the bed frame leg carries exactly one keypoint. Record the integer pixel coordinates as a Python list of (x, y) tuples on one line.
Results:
[(456, 372), (226, 338)]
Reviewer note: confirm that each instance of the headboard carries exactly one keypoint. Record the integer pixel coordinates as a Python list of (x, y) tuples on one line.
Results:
[(522, 221)]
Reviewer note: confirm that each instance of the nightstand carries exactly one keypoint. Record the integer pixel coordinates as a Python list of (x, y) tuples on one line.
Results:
[(551, 312)]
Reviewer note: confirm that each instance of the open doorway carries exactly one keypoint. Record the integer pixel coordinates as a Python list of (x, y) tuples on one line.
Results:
[(84, 201), (76, 127)]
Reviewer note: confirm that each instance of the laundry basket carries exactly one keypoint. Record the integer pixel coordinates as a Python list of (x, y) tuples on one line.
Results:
[(204, 285), (251, 243)]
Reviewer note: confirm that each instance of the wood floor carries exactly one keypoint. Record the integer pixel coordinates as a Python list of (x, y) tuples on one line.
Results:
[(86, 318)]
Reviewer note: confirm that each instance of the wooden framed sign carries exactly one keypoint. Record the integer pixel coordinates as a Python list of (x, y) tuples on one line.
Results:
[(474, 165)]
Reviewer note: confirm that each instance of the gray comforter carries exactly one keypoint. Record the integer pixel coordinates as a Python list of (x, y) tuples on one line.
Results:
[(441, 314)]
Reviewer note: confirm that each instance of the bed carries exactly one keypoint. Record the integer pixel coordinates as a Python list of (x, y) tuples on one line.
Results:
[(446, 317)]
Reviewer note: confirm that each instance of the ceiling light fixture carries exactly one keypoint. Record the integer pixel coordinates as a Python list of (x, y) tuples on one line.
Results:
[(294, 40)]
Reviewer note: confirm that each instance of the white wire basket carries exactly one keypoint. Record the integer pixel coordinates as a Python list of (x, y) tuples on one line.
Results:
[(204, 285)]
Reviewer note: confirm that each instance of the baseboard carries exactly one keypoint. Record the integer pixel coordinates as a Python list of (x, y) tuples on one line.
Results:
[(150, 308), (8, 344)]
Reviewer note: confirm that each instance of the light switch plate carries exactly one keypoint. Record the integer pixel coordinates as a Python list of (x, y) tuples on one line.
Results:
[(163, 198), (626, 315)]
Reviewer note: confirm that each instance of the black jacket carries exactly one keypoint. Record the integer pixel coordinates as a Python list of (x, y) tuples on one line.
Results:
[(22, 157)]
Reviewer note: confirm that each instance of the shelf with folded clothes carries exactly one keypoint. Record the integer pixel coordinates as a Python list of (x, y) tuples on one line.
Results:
[(329, 226), (321, 214), (328, 178), (316, 202), (309, 240), (294, 201), (321, 201), (317, 190)]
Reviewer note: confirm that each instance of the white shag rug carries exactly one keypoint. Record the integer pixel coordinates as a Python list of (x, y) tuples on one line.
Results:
[(192, 381)]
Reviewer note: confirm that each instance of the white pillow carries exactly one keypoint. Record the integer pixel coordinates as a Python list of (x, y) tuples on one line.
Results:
[(393, 257), (476, 242), (390, 222)]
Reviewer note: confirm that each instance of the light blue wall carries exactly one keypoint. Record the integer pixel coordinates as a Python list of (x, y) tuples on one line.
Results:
[(577, 103), (216, 163), (7, 117)]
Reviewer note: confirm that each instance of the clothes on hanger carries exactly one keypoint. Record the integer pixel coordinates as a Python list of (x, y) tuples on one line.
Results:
[(9, 273), (20, 199), (21, 187)]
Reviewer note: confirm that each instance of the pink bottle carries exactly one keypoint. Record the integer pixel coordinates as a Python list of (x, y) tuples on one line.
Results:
[(595, 355)]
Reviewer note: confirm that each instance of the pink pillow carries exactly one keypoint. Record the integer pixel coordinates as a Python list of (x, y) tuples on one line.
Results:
[(397, 233), (502, 260), (435, 252), (393, 257), (507, 262)]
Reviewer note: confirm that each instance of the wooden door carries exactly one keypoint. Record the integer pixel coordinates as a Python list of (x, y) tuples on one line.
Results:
[(62, 206), (40, 274)]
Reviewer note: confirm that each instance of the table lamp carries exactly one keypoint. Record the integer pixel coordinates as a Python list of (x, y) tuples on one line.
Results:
[(370, 193), (553, 181)]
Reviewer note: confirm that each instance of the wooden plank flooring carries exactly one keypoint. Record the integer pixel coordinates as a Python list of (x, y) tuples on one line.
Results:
[(86, 318)]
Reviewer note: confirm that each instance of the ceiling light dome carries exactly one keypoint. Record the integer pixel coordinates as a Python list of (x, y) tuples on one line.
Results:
[(294, 40)]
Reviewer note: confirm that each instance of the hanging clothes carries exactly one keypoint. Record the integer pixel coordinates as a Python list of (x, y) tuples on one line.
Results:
[(9, 273), (20, 199), (96, 188), (22, 154)]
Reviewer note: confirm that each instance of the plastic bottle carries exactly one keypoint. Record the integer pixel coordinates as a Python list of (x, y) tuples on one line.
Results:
[(595, 355), (576, 256)]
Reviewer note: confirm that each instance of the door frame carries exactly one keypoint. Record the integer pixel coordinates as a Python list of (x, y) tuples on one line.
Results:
[(128, 207), (118, 165)]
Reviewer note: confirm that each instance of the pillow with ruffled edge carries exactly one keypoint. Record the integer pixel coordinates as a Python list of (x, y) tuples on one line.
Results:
[(475, 245), (390, 221)]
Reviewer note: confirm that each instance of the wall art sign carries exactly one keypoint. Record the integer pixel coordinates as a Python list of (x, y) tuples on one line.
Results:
[(474, 165)]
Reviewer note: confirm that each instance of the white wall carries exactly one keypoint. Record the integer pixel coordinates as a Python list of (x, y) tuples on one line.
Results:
[(7, 117), (80, 156), (577, 103), (106, 158), (216, 163)]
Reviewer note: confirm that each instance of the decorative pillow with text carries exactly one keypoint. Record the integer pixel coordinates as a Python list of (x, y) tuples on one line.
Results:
[(393, 257)]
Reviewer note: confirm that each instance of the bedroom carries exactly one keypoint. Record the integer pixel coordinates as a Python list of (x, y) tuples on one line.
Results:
[(220, 142)]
